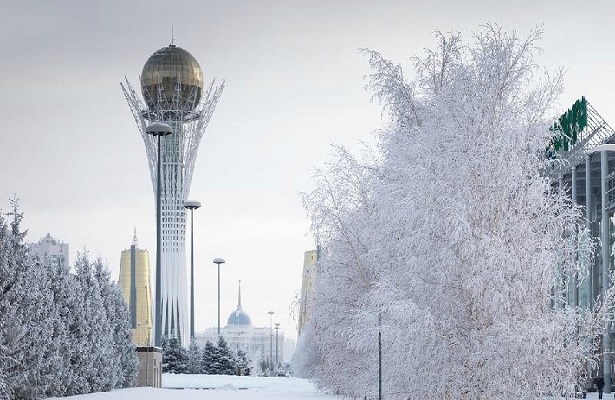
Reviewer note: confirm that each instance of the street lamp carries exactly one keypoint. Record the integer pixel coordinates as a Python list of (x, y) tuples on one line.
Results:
[(277, 328), (147, 364), (270, 337), (379, 356), (158, 130), (219, 261), (191, 205)]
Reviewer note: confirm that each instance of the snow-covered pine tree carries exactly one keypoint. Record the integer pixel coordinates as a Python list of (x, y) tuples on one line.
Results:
[(195, 358), (242, 363), (209, 360), (226, 360), (175, 357), (93, 330), (58, 370), (24, 312), (453, 236), (122, 358)]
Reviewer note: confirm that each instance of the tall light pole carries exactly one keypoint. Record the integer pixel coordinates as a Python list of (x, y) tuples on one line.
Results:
[(219, 261), (192, 205), (158, 130), (379, 356), (270, 337), (277, 328)]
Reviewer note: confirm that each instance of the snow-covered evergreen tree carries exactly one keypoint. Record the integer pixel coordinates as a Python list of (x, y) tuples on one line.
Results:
[(226, 359), (451, 232), (210, 357), (195, 358), (59, 370), (123, 360), (174, 357), (242, 362), (24, 311)]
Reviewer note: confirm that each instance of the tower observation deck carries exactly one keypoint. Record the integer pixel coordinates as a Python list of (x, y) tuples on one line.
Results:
[(173, 92)]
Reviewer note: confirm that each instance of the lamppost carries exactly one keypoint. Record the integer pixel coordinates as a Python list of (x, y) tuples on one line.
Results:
[(379, 356), (191, 205), (158, 130), (149, 348), (270, 337), (277, 328), (219, 261)]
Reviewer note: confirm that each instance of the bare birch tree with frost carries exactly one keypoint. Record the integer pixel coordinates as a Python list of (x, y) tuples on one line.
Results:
[(454, 234)]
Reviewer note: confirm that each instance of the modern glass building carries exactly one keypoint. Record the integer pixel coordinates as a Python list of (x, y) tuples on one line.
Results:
[(586, 148), (135, 283)]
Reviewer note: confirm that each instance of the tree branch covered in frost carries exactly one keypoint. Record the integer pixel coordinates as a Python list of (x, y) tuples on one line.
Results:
[(455, 236)]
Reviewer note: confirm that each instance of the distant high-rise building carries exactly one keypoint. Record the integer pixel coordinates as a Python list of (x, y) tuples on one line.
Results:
[(310, 259), (173, 92), (135, 282), (49, 250)]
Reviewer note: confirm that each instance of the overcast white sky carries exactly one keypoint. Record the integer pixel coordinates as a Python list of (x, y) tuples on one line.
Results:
[(70, 149)]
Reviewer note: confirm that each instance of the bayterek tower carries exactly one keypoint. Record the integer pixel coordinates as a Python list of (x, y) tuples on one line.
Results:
[(173, 93)]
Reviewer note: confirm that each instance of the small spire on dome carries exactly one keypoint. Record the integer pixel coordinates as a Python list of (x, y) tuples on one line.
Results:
[(239, 297), (135, 241)]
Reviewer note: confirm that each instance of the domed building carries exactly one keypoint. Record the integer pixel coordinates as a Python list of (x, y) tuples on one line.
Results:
[(259, 343), (173, 93)]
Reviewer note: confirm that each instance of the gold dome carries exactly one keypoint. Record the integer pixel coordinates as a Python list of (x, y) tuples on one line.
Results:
[(168, 67)]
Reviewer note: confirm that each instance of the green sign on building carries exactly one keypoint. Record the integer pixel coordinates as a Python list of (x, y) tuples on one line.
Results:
[(568, 127)]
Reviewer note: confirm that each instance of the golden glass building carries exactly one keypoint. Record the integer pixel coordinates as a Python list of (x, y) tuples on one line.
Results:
[(135, 282)]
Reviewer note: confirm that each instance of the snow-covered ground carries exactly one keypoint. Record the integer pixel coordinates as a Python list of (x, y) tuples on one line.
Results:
[(224, 387), (218, 387)]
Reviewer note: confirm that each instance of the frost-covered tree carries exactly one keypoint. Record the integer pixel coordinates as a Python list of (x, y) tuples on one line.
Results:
[(59, 369), (25, 306), (123, 360), (195, 358), (210, 357), (451, 232), (225, 362), (242, 362), (174, 357), (92, 332)]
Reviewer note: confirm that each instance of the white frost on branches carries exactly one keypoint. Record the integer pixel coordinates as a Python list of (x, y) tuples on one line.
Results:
[(454, 234)]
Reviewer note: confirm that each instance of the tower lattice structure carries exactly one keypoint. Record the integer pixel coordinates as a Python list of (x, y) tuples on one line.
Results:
[(173, 93)]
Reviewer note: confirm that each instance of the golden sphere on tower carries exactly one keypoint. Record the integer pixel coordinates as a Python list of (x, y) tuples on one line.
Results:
[(179, 75)]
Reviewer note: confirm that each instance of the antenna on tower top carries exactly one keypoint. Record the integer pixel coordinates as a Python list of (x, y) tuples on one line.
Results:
[(172, 36)]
